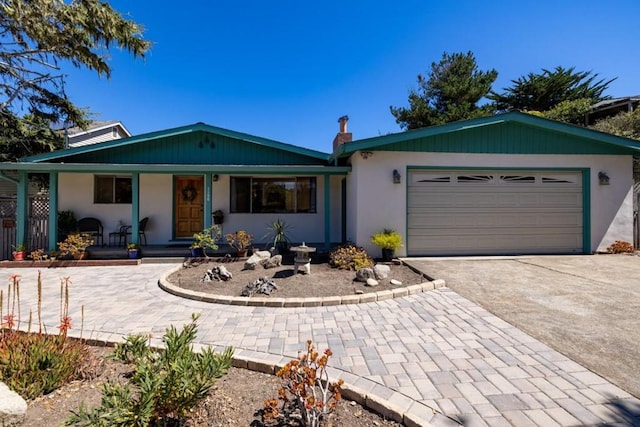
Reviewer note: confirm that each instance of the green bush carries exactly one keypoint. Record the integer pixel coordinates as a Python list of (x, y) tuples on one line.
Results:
[(350, 257), (387, 239), (33, 364), (167, 384), (37, 364)]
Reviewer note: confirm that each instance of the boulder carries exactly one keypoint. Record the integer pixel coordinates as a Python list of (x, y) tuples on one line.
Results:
[(395, 282), (274, 261), (12, 407), (256, 259), (381, 271), (364, 273), (372, 282)]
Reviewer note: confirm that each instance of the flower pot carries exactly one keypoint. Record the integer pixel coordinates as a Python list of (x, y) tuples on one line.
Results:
[(197, 252), (80, 255), (18, 256), (133, 253), (387, 255), (241, 253)]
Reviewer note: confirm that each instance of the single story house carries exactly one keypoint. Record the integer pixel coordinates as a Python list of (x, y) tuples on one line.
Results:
[(506, 184)]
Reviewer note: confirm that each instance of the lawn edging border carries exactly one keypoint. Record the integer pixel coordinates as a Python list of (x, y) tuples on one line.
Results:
[(401, 291)]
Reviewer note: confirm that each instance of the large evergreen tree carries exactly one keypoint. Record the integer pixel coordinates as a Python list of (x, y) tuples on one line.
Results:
[(451, 92), (36, 37), (544, 91)]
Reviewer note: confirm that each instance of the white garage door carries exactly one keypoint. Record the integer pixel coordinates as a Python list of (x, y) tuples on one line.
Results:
[(494, 212)]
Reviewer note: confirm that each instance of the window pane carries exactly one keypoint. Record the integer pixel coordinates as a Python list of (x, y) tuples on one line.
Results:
[(123, 190), (103, 189), (240, 195), (273, 195), (306, 191)]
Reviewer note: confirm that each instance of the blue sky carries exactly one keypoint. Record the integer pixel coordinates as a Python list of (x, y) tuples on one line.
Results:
[(286, 70)]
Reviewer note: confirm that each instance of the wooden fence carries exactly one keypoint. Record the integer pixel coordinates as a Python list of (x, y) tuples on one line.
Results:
[(38, 224)]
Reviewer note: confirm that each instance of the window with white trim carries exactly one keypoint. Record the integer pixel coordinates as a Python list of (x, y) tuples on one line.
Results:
[(111, 189), (273, 195)]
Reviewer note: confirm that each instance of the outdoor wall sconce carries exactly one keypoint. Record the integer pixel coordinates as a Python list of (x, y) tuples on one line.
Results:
[(366, 154), (603, 178), (396, 177), (215, 177)]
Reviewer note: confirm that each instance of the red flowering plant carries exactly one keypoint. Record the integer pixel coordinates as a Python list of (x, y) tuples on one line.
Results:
[(35, 363), (306, 387)]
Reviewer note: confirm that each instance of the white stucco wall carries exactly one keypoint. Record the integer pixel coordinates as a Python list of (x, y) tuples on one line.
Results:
[(307, 228), (156, 202), (375, 203), (76, 193)]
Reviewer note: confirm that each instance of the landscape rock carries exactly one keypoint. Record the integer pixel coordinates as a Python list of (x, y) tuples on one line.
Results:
[(395, 282), (256, 259), (372, 282), (262, 285), (364, 273), (274, 261), (12, 407), (381, 271), (218, 273)]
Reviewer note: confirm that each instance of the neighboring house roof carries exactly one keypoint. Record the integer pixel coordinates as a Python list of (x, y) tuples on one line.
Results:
[(509, 133), (96, 132), (96, 126), (611, 107)]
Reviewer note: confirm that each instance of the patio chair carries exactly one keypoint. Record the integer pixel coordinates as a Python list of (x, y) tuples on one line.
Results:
[(92, 226), (142, 225)]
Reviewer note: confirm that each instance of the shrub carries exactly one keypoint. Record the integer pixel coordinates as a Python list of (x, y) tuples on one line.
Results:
[(620, 247), (75, 243), (387, 239), (166, 384), (305, 387), (33, 364), (350, 257)]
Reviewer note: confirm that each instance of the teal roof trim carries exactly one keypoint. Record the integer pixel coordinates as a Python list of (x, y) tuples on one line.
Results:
[(437, 138), (60, 155), (281, 170)]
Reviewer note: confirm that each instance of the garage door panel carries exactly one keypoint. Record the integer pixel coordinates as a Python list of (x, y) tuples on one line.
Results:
[(484, 198), (491, 212)]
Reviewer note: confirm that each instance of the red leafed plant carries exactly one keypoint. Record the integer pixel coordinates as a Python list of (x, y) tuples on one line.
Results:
[(306, 387), (620, 247)]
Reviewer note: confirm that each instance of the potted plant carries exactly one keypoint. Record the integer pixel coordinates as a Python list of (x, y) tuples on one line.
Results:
[(75, 245), (204, 240), (240, 240), (19, 251), (388, 241), (277, 233), (218, 217), (133, 250)]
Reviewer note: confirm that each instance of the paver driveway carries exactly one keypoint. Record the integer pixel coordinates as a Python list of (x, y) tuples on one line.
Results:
[(433, 358), (586, 307)]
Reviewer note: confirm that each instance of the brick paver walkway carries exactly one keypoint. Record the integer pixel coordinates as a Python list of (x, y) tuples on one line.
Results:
[(433, 358)]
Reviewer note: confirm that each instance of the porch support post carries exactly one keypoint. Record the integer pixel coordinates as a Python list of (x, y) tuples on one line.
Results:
[(53, 210), (135, 207), (327, 212), (22, 213), (207, 209)]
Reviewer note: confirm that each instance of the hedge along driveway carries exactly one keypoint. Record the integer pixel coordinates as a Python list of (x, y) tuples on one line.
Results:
[(586, 307)]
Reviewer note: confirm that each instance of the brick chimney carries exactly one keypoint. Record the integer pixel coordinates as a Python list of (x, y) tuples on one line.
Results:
[(342, 136)]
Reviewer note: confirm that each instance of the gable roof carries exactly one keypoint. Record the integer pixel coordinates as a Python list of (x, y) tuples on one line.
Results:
[(167, 146), (513, 133), (95, 126)]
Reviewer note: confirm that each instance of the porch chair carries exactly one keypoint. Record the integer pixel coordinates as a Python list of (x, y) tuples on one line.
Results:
[(92, 226), (142, 225)]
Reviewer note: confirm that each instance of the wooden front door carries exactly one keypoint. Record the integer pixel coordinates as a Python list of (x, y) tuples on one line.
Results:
[(188, 205)]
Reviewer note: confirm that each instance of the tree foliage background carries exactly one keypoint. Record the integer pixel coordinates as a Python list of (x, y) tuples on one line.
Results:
[(452, 91), (38, 37)]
